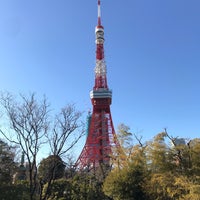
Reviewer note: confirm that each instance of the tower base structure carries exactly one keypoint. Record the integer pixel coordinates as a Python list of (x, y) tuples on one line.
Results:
[(101, 140)]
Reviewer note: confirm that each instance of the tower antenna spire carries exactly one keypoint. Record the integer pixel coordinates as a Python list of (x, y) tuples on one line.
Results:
[(99, 13)]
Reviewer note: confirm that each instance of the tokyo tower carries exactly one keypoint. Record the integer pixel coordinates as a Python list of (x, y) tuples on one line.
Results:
[(101, 139)]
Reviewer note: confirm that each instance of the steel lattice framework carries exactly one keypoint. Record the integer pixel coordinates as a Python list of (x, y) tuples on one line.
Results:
[(101, 137)]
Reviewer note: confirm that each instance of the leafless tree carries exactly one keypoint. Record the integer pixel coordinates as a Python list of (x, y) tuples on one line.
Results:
[(28, 123), (179, 149), (67, 130), (29, 127)]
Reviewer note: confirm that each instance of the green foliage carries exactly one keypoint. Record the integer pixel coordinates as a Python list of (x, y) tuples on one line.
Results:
[(60, 189), (194, 156), (158, 156), (128, 182), (124, 136), (18, 191), (51, 168), (157, 171), (167, 186), (7, 164), (82, 186), (86, 186)]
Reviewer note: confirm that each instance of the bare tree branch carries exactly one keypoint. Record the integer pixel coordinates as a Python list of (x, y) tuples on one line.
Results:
[(28, 120), (67, 130), (139, 140)]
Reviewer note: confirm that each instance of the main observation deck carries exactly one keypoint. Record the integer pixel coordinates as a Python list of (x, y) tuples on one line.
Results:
[(101, 93)]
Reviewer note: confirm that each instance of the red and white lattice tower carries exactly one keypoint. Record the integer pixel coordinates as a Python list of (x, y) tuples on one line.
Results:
[(101, 139)]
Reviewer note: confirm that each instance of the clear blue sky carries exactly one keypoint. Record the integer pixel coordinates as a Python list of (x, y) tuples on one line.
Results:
[(152, 50)]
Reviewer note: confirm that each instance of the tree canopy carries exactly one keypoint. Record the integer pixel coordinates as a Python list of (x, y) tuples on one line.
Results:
[(164, 168)]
